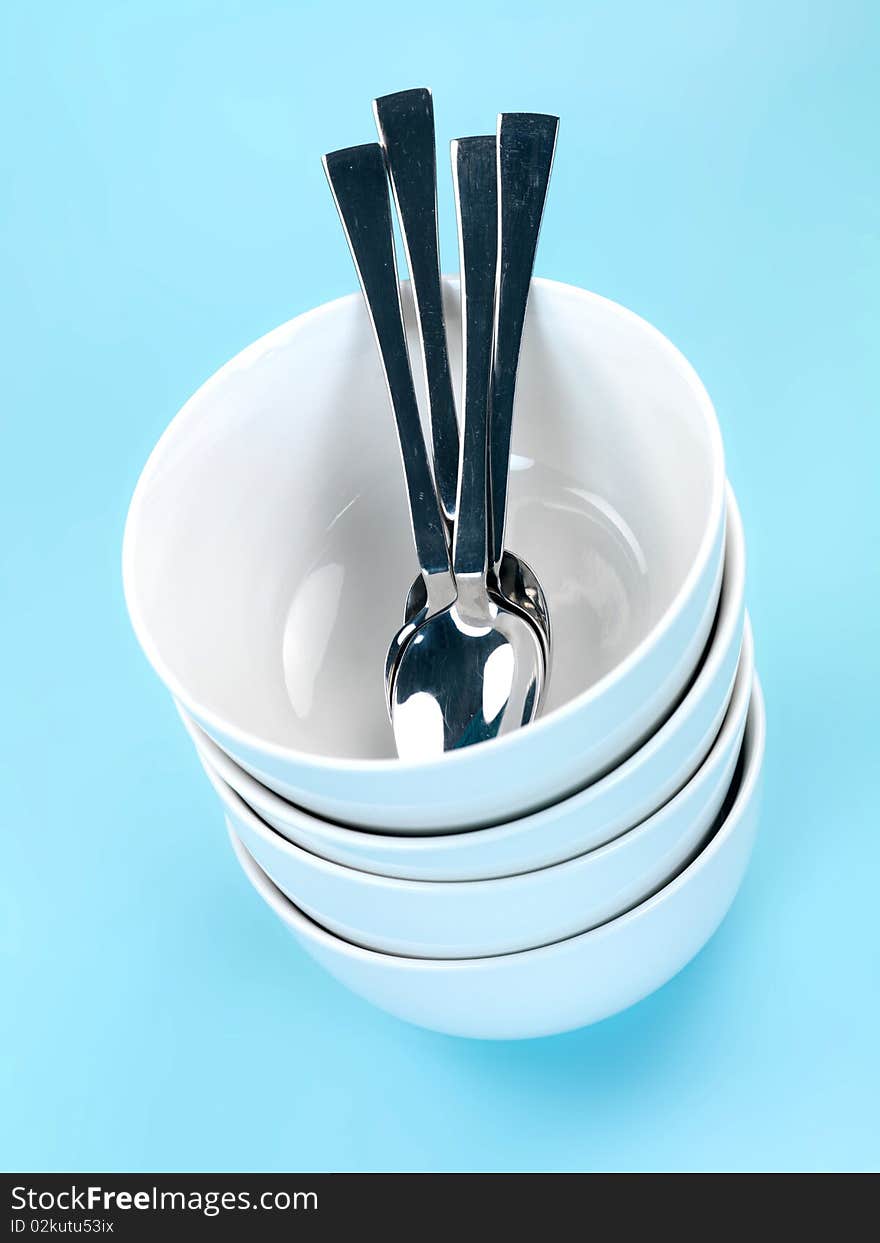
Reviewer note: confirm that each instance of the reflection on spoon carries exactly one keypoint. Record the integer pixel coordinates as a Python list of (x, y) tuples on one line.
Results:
[(421, 723), (498, 676)]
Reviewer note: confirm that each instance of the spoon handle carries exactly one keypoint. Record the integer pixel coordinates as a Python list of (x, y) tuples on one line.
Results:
[(475, 178), (359, 185), (526, 142), (405, 122)]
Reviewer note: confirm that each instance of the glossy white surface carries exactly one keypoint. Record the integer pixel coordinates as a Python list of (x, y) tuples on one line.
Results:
[(586, 820), (569, 984), (267, 558), (474, 919)]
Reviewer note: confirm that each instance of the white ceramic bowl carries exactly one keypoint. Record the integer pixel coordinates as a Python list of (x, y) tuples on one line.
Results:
[(267, 557), (586, 820), (476, 919), (574, 982)]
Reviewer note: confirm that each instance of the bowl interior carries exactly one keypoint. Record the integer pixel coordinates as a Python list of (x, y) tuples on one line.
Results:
[(268, 551)]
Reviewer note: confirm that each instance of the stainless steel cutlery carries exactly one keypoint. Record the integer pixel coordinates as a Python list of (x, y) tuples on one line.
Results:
[(472, 657)]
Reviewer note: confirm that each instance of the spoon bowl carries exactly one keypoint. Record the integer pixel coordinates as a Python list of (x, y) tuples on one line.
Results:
[(499, 663), (516, 586)]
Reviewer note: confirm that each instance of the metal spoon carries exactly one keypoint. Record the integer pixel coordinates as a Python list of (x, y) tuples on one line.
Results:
[(405, 121), (359, 186), (526, 143), (476, 669)]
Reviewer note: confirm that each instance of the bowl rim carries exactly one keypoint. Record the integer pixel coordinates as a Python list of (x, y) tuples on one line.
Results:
[(752, 754), (448, 761), (734, 718), (728, 619)]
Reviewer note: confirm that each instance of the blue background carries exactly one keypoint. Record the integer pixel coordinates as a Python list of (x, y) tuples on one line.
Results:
[(163, 206)]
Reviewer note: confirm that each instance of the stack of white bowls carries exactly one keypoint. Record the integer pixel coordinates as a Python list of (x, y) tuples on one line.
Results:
[(530, 884)]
